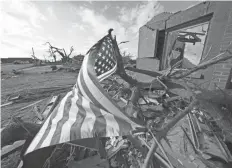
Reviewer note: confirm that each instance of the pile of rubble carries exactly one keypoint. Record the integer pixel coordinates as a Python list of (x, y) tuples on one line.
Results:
[(182, 130), (195, 141), (21, 62)]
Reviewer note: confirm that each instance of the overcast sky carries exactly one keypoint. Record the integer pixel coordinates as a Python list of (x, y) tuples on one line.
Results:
[(78, 24)]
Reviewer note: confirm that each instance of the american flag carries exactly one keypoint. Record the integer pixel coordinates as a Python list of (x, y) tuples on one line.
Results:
[(87, 111)]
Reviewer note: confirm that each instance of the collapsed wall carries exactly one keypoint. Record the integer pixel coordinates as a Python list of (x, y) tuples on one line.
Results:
[(158, 37)]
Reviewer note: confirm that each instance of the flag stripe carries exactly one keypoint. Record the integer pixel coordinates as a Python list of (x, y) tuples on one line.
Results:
[(55, 120), (87, 111), (76, 127), (88, 123), (87, 91), (56, 137), (48, 128), (116, 111), (112, 127), (104, 100), (92, 84), (80, 88), (89, 83), (107, 74), (65, 131), (124, 126), (38, 136), (43, 132), (99, 128)]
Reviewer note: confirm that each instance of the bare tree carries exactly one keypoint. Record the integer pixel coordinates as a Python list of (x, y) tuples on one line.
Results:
[(33, 54), (45, 60), (126, 57), (52, 54), (35, 59), (61, 52)]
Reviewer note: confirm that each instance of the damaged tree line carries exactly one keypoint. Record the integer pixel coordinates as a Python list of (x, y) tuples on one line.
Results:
[(170, 100), (53, 50)]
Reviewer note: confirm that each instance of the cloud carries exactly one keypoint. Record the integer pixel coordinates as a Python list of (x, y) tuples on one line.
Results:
[(134, 18), (99, 23), (14, 26), (79, 26), (26, 9), (16, 52), (106, 7), (51, 13), (139, 15), (28, 24), (22, 20), (126, 26), (128, 15)]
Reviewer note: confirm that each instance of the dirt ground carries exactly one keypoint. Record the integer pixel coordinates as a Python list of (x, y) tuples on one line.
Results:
[(33, 77), (6, 68)]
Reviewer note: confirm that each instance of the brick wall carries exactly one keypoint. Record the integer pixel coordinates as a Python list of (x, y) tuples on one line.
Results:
[(219, 37), (221, 73)]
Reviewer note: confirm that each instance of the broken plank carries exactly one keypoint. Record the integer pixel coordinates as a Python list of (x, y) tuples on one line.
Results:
[(6, 104), (48, 109), (14, 98), (7, 150), (50, 106), (2, 128), (124, 101), (31, 104), (37, 113)]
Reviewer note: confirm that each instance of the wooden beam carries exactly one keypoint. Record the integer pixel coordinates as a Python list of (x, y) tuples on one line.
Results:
[(50, 106), (7, 150), (6, 104)]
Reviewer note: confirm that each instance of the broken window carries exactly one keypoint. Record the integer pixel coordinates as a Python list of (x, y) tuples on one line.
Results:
[(187, 44)]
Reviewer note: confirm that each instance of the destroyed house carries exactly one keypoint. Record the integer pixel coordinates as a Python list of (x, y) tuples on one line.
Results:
[(77, 61), (194, 35)]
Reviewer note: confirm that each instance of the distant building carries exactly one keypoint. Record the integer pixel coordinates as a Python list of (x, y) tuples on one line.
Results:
[(77, 61), (12, 60), (194, 35)]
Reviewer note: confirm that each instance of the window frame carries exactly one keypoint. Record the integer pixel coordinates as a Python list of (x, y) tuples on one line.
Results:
[(198, 21)]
